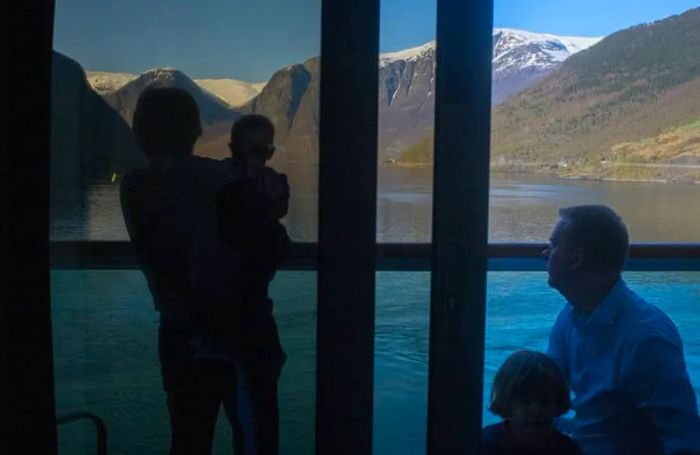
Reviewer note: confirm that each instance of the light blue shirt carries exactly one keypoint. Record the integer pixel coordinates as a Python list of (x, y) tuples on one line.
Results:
[(625, 366)]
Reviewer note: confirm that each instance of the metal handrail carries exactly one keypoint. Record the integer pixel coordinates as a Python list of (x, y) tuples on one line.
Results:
[(100, 427), (111, 255)]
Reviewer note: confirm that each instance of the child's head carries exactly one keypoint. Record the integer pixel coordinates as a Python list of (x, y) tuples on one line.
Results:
[(529, 391), (252, 139)]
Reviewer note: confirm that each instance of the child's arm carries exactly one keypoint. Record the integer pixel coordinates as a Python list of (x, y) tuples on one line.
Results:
[(276, 189)]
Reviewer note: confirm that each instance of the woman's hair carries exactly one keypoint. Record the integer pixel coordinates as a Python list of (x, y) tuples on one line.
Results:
[(166, 121), (525, 373)]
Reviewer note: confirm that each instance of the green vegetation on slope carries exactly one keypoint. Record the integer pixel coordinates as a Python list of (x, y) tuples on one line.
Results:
[(420, 153), (680, 145)]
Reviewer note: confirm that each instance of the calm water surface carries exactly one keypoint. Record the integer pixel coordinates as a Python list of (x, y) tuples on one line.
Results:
[(105, 326)]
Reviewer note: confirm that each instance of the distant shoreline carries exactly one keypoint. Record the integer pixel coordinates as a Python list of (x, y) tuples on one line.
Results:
[(568, 173)]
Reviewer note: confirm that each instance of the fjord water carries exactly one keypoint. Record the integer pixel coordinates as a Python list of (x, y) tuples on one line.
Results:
[(105, 326)]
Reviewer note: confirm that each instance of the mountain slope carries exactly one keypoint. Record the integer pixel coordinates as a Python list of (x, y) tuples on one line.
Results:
[(406, 92), (233, 92), (89, 140), (212, 110), (634, 84), (290, 100)]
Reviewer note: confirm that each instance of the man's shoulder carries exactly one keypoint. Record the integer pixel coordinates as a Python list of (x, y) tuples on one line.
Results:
[(644, 319), (645, 331)]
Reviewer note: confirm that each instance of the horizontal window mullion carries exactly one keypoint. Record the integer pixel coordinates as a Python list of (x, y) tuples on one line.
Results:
[(503, 257)]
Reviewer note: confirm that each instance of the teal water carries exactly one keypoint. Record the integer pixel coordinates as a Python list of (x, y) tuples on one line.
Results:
[(106, 360), (105, 325)]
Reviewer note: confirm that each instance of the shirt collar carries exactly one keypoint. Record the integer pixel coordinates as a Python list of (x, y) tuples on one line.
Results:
[(606, 311)]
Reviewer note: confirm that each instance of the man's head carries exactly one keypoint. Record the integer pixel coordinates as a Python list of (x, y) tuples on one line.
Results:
[(588, 242), (252, 139), (166, 122)]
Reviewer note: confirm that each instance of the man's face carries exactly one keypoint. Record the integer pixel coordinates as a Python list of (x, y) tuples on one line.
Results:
[(562, 259)]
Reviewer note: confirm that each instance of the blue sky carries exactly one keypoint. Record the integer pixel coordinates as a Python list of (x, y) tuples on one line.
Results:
[(250, 39)]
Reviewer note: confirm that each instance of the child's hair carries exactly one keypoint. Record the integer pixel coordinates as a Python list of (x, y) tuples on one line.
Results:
[(246, 124), (523, 372)]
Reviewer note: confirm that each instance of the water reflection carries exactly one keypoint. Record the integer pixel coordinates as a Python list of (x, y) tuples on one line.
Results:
[(522, 207)]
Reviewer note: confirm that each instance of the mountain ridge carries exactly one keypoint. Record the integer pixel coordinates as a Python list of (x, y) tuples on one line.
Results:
[(636, 83)]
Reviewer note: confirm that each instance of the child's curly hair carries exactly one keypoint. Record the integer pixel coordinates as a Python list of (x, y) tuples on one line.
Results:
[(522, 373)]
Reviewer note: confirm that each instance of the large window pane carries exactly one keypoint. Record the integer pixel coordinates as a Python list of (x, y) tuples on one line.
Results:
[(406, 116), (404, 215), (595, 111), (522, 308), (106, 361), (572, 123), (401, 362), (234, 58)]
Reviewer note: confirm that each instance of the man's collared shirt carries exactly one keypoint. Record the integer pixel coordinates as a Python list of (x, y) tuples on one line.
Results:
[(625, 365)]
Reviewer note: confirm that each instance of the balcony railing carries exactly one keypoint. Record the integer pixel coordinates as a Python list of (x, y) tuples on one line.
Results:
[(415, 257)]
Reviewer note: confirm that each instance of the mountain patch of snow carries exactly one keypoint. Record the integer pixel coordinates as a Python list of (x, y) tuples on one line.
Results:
[(233, 92), (545, 49), (104, 82)]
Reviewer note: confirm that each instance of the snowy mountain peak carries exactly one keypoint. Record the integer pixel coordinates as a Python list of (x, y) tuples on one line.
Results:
[(542, 49), (162, 73), (233, 92), (407, 55), (522, 49)]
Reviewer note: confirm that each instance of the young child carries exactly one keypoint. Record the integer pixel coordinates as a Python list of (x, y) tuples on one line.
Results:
[(528, 392), (249, 210)]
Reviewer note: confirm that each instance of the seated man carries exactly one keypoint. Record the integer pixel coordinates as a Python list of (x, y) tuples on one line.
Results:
[(622, 357)]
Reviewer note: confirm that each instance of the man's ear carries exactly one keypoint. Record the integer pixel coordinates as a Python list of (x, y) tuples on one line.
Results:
[(576, 258)]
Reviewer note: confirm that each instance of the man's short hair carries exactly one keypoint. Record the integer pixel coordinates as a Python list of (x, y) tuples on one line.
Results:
[(525, 373), (166, 121), (248, 123), (600, 232)]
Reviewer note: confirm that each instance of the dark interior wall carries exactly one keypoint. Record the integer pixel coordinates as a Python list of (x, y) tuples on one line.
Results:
[(27, 415)]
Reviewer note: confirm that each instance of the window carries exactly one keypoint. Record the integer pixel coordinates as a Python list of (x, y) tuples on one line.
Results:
[(233, 58), (564, 133)]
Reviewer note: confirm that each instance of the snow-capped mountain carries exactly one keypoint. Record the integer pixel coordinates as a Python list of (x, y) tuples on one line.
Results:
[(407, 79), (233, 92), (212, 109), (104, 82), (406, 92), (521, 58)]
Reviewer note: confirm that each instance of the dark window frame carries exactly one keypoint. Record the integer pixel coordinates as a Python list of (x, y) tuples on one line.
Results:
[(344, 422)]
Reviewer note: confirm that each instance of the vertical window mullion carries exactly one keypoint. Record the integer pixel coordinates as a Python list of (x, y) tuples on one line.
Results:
[(347, 226), (460, 225), (27, 409)]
